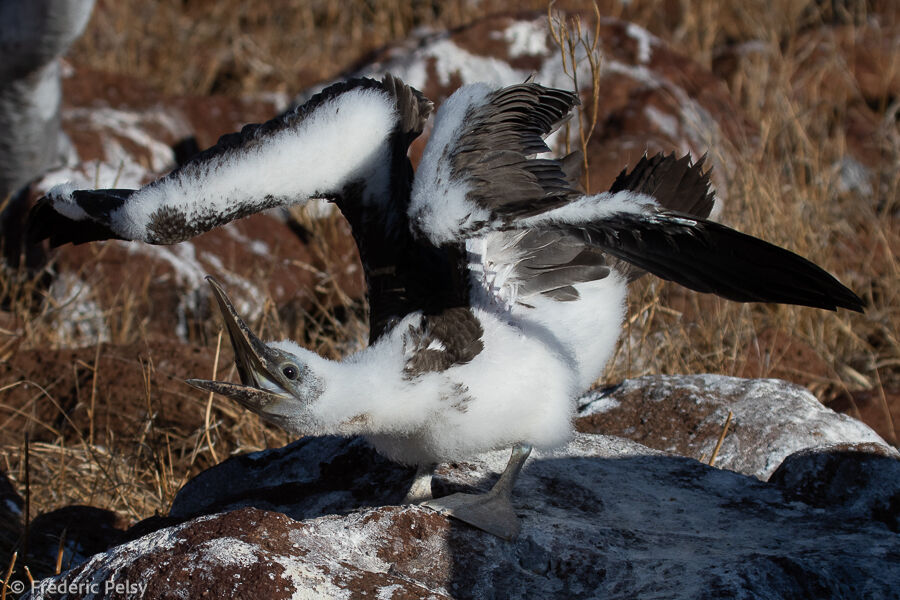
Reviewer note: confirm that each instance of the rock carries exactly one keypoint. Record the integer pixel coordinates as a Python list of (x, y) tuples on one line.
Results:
[(602, 517), (858, 64), (12, 507), (879, 408), (78, 531), (862, 479), (846, 73), (126, 133), (247, 553), (866, 53), (72, 533), (308, 478), (685, 414), (653, 99), (203, 118)]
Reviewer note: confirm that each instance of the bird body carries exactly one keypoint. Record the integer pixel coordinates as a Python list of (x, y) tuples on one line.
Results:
[(496, 288), (495, 400)]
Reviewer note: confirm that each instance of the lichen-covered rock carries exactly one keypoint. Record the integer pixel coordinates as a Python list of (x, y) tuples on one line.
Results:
[(164, 287), (685, 414), (601, 518)]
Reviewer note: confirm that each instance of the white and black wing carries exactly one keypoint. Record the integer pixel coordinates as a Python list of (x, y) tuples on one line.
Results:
[(479, 168), (480, 184), (646, 222), (518, 262), (341, 141)]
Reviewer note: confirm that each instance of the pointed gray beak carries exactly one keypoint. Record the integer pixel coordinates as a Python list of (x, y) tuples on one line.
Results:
[(254, 360), (249, 397)]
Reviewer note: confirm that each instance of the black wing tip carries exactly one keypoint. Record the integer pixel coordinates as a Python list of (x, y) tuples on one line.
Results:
[(44, 222), (848, 300), (831, 300), (858, 305), (709, 257), (37, 228)]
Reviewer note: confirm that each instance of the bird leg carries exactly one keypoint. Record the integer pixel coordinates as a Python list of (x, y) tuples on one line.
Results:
[(493, 512), (420, 490)]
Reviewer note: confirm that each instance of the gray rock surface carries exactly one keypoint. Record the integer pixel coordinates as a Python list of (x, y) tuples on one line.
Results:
[(861, 478), (603, 517), (685, 414), (306, 479)]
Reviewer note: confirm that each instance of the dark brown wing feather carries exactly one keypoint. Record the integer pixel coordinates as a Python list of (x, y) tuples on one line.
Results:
[(676, 184), (496, 148), (452, 337)]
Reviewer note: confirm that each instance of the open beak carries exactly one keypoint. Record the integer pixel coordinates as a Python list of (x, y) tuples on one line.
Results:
[(253, 358)]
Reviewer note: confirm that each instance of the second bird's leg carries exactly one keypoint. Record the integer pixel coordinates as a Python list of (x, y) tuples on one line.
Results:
[(420, 490), (493, 511)]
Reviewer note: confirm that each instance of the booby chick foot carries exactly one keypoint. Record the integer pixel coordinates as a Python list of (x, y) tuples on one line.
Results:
[(491, 512)]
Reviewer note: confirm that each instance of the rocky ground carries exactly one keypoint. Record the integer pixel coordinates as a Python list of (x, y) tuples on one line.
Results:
[(800, 502), (602, 517)]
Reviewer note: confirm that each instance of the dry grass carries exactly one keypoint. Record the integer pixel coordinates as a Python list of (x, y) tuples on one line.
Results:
[(235, 47), (789, 191)]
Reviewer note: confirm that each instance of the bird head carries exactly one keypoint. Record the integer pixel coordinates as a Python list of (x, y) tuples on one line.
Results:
[(277, 382)]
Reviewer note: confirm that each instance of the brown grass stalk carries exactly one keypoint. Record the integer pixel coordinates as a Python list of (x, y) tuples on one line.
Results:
[(209, 402)]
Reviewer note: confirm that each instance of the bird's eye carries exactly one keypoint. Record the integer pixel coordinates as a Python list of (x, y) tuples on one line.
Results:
[(290, 371)]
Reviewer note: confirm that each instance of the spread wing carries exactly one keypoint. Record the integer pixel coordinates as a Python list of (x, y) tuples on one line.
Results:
[(653, 219), (481, 184), (348, 144), (518, 262), (339, 145), (480, 170)]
